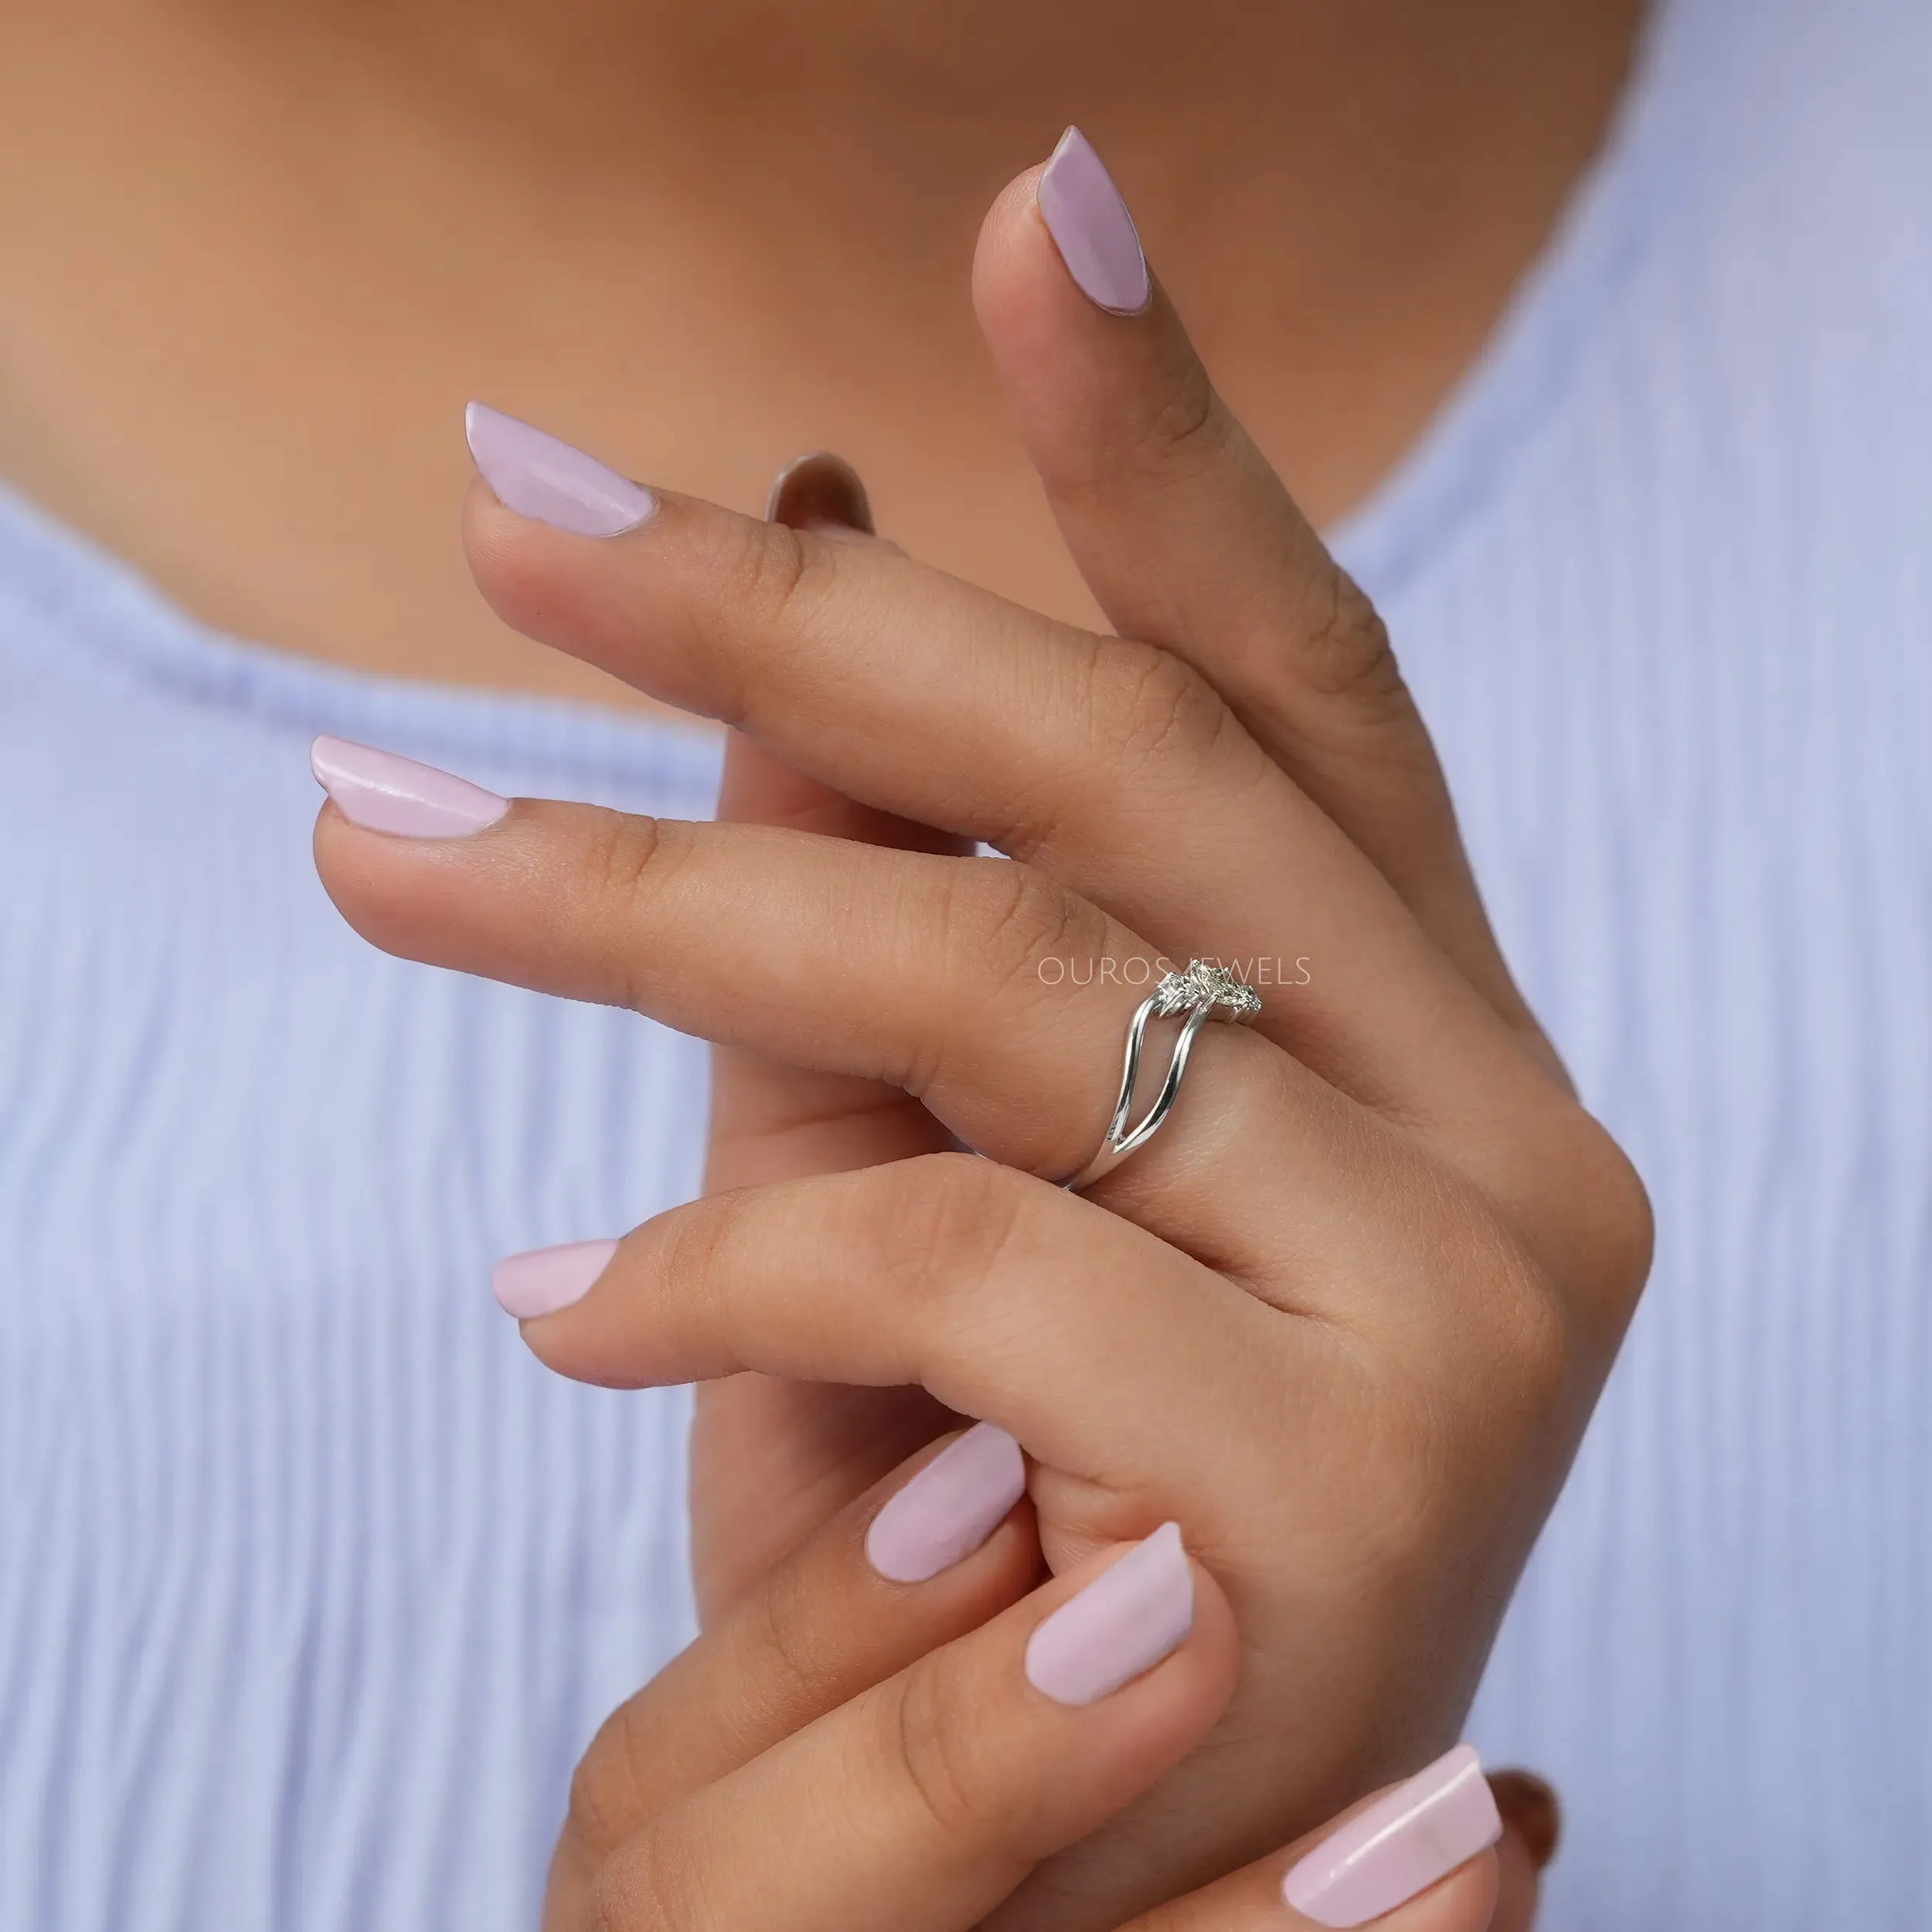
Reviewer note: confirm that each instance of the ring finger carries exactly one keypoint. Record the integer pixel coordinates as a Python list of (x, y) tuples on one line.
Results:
[(919, 970)]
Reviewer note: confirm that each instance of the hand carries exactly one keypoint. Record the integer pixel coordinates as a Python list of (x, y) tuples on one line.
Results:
[(1344, 1319), (842, 1750)]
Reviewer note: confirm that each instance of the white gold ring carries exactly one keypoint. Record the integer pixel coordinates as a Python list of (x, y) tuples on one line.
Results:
[(1203, 992)]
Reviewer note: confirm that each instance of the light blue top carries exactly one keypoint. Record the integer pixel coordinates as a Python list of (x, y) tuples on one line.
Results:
[(313, 1582)]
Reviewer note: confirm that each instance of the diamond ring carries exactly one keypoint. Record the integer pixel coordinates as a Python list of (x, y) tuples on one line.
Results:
[(1203, 992)]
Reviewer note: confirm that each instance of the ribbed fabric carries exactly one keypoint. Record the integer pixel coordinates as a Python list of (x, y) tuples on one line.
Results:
[(312, 1583)]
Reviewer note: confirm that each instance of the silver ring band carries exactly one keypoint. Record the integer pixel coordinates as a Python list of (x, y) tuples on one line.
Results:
[(1203, 992)]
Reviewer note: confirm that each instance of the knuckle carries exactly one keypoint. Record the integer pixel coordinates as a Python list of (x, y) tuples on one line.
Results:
[(766, 572), (1346, 649), (621, 859), (625, 866), (1620, 1227), (654, 1883), (794, 1669), (1151, 707), (694, 1245), (607, 1799), (1591, 1212), (1533, 1345), (1475, 1393), (1177, 437), (1520, 1328), (1001, 920), (955, 1218), (932, 1729), (1189, 430)]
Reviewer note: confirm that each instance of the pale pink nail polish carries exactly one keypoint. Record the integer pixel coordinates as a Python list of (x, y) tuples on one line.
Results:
[(950, 1508), (1091, 228), (1122, 1622), (538, 475), (1400, 1845), (545, 1280), (386, 792)]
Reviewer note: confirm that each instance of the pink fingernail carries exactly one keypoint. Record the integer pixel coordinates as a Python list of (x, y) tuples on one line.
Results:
[(1091, 228), (545, 1279), (950, 1508), (538, 475), (386, 792), (1400, 1845), (1122, 1622)]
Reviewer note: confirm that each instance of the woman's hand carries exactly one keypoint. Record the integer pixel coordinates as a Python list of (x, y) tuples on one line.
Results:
[(843, 1750), (1343, 1320)]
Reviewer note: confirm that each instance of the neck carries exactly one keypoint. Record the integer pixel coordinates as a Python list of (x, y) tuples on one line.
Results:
[(703, 233), (1383, 125)]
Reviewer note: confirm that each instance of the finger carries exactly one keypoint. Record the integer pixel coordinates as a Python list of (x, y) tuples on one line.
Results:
[(980, 1286), (1518, 1885), (1109, 763), (1416, 1858), (914, 969), (924, 971), (774, 1459), (1189, 540), (919, 1805), (776, 1456), (1532, 1827), (931, 1552), (771, 1459), (769, 1119), (820, 490)]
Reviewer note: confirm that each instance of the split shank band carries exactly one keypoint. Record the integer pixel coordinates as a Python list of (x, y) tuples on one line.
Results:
[(1203, 992)]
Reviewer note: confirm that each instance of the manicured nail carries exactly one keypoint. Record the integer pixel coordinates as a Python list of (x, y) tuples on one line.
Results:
[(947, 1510), (386, 792), (820, 488), (1400, 1845), (547, 1279), (1091, 226), (1123, 1622), (537, 475)]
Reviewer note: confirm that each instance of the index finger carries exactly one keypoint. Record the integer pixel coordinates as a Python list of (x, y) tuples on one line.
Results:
[(1188, 539), (1111, 765)]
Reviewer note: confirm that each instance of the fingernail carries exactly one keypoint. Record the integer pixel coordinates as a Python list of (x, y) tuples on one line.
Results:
[(1091, 228), (950, 1508), (547, 1279), (819, 488), (538, 475), (1530, 1807), (1400, 1845), (386, 792), (1123, 1622)]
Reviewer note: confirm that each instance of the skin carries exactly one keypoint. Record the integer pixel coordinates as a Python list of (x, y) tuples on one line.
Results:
[(703, 236), (757, 1728), (1345, 1326), (643, 225)]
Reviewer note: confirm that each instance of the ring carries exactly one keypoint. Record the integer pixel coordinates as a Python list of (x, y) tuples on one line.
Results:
[(1203, 992)]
